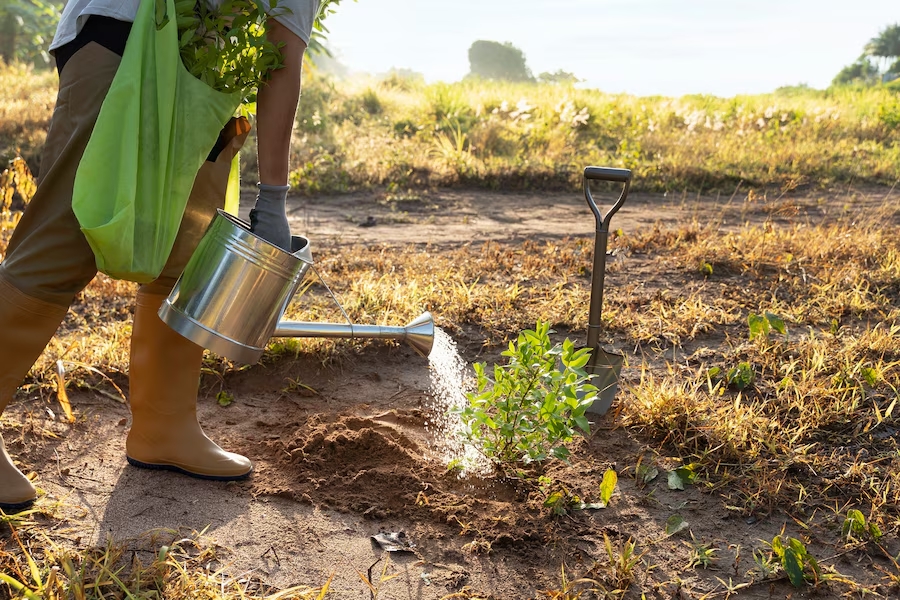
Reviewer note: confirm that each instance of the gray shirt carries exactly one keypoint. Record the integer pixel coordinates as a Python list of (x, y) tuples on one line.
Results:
[(296, 15)]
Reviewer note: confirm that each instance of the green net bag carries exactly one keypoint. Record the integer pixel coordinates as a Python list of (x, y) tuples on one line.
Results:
[(156, 127)]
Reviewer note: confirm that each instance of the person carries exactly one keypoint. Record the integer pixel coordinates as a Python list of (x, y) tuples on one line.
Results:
[(48, 261)]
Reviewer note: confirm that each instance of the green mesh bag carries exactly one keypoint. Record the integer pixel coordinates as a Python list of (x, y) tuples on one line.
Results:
[(156, 126)]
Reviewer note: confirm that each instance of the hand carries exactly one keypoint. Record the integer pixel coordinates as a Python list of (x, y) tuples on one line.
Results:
[(268, 219)]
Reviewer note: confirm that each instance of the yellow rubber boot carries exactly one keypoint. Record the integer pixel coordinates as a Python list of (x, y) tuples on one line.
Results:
[(163, 379), (16, 491), (26, 325)]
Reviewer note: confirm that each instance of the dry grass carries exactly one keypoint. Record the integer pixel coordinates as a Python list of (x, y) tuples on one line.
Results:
[(27, 97), (35, 564)]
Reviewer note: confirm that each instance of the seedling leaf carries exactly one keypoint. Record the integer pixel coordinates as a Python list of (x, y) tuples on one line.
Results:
[(674, 524), (776, 323), (647, 473), (793, 568), (675, 481), (759, 326), (607, 486), (224, 398)]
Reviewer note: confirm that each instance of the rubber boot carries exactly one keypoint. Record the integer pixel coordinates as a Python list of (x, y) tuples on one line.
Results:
[(16, 491), (164, 376), (26, 325)]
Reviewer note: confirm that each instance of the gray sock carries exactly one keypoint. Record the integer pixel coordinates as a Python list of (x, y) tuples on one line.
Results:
[(268, 218)]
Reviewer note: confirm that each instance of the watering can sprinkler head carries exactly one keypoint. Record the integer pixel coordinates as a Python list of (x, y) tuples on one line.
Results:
[(420, 334)]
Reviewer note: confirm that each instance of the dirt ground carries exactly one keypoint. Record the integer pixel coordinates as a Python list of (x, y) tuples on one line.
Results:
[(346, 455)]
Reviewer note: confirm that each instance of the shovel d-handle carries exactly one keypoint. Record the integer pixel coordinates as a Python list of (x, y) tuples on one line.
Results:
[(614, 175), (605, 174)]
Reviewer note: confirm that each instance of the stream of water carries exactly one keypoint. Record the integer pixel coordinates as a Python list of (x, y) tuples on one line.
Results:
[(451, 380)]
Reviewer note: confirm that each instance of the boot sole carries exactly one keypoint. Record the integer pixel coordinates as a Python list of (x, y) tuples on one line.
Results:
[(11, 508), (174, 469)]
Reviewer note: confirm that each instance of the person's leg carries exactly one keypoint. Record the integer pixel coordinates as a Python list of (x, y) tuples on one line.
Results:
[(26, 325), (165, 367), (48, 261)]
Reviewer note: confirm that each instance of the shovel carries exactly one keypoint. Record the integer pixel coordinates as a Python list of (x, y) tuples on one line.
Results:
[(605, 366)]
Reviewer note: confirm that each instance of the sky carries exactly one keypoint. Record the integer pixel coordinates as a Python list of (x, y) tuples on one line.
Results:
[(641, 47)]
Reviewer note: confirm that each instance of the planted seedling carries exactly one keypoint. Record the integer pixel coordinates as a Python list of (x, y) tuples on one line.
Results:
[(528, 409)]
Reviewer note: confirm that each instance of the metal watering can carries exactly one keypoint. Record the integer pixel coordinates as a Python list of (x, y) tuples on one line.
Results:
[(236, 287)]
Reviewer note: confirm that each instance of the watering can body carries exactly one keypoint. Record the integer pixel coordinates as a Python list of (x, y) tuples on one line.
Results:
[(235, 289)]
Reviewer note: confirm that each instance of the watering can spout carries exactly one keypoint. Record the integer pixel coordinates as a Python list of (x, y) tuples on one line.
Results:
[(418, 333)]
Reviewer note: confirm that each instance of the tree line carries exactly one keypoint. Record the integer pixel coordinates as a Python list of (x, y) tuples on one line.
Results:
[(879, 62)]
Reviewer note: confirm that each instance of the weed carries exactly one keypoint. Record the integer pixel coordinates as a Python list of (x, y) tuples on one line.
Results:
[(855, 527), (701, 555), (571, 589), (620, 572), (374, 585), (180, 567), (796, 560)]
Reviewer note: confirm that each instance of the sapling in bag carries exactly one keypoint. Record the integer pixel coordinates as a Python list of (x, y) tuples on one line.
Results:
[(155, 129)]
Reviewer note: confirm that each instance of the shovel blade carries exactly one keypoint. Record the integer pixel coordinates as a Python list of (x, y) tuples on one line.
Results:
[(606, 367)]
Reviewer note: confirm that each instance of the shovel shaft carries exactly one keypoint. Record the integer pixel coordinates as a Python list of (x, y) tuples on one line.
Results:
[(598, 276), (600, 241)]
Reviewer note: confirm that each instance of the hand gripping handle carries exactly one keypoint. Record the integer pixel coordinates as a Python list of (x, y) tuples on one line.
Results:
[(605, 174)]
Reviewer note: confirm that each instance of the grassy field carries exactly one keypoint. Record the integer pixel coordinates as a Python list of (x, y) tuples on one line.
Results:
[(399, 133), (768, 355)]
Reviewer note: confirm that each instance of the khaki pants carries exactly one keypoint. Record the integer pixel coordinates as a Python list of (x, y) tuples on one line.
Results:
[(48, 257)]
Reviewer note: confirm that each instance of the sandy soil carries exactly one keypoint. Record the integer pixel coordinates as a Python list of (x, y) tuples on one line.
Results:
[(346, 456)]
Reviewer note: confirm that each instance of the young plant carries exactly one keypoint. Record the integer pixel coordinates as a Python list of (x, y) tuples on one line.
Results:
[(533, 404), (702, 555), (796, 560), (856, 527), (226, 46)]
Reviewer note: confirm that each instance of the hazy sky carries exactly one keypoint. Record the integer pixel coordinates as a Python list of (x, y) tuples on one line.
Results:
[(669, 47)]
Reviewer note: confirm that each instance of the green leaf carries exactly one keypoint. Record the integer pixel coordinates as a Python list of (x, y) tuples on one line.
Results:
[(793, 568), (674, 524), (777, 546), (583, 424), (798, 547), (776, 323), (608, 486), (675, 481), (759, 326), (870, 375), (162, 15), (224, 398), (556, 502), (687, 473), (741, 376), (646, 473)]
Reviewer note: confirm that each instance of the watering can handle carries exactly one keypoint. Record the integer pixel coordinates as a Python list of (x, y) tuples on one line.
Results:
[(605, 174)]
